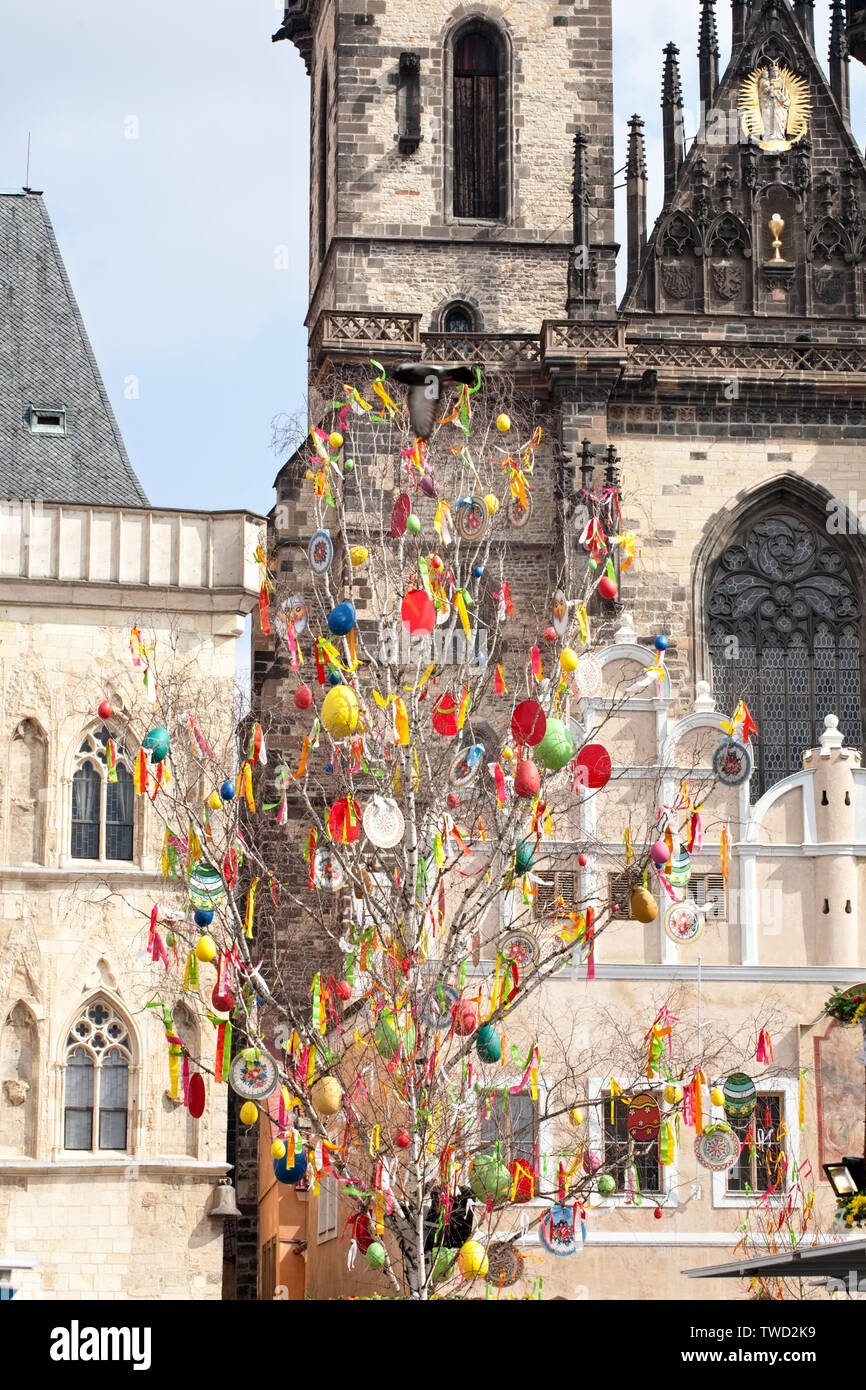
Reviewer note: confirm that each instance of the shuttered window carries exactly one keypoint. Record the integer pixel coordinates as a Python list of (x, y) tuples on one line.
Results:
[(476, 126)]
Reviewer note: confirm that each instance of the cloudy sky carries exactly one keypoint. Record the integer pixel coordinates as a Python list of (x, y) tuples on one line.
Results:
[(171, 142)]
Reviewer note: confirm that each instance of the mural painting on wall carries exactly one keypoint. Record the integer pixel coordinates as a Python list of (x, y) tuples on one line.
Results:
[(839, 1082)]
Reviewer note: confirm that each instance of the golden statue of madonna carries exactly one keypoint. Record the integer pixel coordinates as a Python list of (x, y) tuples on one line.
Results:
[(776, 106)]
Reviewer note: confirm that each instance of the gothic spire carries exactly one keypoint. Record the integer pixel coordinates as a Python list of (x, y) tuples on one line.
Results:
[(636, 198), (805, 12), (578, 273), (672, 120), (840, 77), (741, 13), (708, 53)]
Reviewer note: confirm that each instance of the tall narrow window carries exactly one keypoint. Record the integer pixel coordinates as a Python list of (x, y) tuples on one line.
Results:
[(630, 1140), (784, 622), (323, 166), (96, 1083), (477, 185), (103, 812)]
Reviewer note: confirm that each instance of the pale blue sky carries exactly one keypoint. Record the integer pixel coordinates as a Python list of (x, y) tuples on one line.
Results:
[(170, 238)]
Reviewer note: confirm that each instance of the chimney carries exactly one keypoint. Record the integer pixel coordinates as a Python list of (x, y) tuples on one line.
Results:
[(805, 12), (636, 190), (708, 53), (672, 121), (741, 13), (840, 76)]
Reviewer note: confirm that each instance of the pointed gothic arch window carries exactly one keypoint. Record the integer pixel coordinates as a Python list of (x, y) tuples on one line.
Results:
[(103, 803), (784, 624), (478, 117), (97, 1058)]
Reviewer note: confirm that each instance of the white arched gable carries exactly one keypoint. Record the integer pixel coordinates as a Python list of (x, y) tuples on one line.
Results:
[(776, 792), (644, 656)]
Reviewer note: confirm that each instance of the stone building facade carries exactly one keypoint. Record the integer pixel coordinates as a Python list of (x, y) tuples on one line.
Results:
[(106, 1182), (725, 397)]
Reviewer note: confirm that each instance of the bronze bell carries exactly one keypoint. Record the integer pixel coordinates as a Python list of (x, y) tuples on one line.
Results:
[(425, 381), (225, 1201)]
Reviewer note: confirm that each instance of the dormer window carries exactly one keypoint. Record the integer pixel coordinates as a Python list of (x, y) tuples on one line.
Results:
[(47, 419)]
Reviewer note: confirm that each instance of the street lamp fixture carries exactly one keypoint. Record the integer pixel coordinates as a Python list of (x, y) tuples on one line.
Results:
[(847, 1178)]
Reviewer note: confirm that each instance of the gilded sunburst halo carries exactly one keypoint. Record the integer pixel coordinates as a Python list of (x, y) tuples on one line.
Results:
[(775, 106)]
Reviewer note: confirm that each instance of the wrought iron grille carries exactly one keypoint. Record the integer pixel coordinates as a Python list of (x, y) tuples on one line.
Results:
[(784, 624)]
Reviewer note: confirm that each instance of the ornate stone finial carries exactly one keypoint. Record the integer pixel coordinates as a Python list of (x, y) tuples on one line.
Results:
[(672, 87), (625, 632), (636, 164), (831, 737), (805, 13), (840, 62), (708, 52), (704, 702)]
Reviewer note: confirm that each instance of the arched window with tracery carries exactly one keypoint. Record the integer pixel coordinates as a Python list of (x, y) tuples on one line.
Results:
[(96, 1080), (784, 632), (479, 114), (103, 801)]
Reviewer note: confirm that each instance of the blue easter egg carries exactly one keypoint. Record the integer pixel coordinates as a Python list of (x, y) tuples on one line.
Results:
[(478, 571), (334, 678), (227, 791), (661, 644), (203, 918), (290, 1169), (342, 619)]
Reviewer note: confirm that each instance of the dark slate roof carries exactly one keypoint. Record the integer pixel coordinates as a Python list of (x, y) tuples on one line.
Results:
[(46, 361)]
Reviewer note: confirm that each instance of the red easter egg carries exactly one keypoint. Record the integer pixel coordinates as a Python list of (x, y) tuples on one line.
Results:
[(222, 1003), (445, 715), (363, 1232), (400, 515), (529, 723), (453, 800), (344, 990), (465, 1018), (659, 853), (527, 780), (582, 860), (418, 612), (658, 1213), (644, 1119), (105, 710), (522, 1171), (607, 588), (402, 1139), (550, 634), (303, 697), (344, 821), (197, 1096), (593, 766)]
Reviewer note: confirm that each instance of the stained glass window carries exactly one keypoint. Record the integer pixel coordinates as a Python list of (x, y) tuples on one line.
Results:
[(97, 1080), (783, 615), (102, 810)]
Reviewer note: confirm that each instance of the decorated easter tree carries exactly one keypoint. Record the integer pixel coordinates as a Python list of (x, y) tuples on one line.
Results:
[(377, 894)]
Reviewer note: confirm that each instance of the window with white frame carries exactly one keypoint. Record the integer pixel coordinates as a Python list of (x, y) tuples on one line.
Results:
[(103, 801), (626, 1124), (47, 419), (329, 1196), (509, 1121), (96, 1080), (761, 1166)]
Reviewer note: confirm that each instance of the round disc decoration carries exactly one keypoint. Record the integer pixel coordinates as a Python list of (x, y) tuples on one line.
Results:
[(328, 872), (529, 723), (504, 1265), (466, 766), (520, 513), (684, 923), (320, 552), (523, 948), (437, 1006), (344, 821), (557, 1231), (593, 766), (254, 1078), (472, 519), (588, 676), (383, 823), (718, 1148), (732, 764), (197, 1097)]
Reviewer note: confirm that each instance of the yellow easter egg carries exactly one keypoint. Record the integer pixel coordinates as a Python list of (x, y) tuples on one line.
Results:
[(278, 1149), (205, 949), (717, 1096), (359, 555), (503, 424), (673, 1094), (575, 1118), (491, 503), (327, 1096), (335, 440), (214, 801), (472, 1260), (568, 659), (340, 711), (249, 1113)]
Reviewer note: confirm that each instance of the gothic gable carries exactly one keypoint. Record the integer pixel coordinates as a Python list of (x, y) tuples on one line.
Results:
[(773, 148)]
